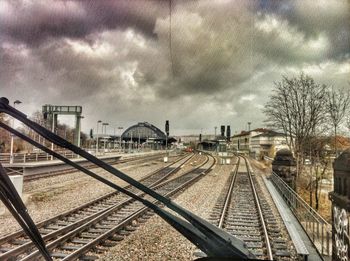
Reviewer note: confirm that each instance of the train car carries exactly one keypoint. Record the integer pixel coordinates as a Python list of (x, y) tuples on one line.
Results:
[(284, 165), (189, 149)]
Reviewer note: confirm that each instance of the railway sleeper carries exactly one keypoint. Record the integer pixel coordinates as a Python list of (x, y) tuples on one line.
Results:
[(283, 253), (257, 252), (88, 258), (253, 245), (5, 249), (96, 230), (242, 224), (241, 232), (89, 235), (80, 241), (70, 247), (123, 232), (109, 243), (280, 247), (250, 239), (58, 255), (116, 237), (20, 242), (102, 226)]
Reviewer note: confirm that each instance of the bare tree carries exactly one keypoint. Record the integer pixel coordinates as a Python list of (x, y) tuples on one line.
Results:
[(318, 170), (4, 135), (297, 106), (337, 105)]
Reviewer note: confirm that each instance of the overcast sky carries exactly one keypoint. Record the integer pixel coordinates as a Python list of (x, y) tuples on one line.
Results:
[(114, 58)]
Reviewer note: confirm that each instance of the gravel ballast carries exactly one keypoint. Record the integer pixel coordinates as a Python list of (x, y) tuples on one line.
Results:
[(51, 196), (156, 240)]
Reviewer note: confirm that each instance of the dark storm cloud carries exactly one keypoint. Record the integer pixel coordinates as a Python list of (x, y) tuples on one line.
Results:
[(114, 59), (42, 20), (314, 17)]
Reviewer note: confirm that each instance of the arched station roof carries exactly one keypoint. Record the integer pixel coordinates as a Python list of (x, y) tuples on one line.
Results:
[(144, 130)]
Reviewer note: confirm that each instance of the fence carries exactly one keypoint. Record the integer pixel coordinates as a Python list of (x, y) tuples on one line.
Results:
[(318, 229), (32, 157)]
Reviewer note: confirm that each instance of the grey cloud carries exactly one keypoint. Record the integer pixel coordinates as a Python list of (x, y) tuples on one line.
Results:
[(41, 21), (315, 17), (114, 60)]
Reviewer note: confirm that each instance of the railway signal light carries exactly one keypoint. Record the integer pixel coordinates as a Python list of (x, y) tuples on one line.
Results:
[(167, 127)]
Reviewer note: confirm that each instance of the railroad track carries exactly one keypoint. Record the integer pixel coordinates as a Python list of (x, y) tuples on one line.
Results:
[(243, 211), (132, 161), (72, 234)]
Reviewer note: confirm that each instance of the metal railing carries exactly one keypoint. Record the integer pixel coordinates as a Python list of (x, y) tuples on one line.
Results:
[(316, 227), (42, 156), (32, 157)]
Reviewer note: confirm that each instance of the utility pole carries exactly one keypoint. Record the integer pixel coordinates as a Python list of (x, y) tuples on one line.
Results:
[(120, 138), (98, 122), (130, 144), (215, 130), (105, 132), (54, 119), (166, 140)]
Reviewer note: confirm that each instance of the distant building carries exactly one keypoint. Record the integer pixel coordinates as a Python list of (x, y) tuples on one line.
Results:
[(267, 144), (242, 141)]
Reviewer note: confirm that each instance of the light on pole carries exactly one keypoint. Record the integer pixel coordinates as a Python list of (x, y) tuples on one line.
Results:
[(98, 122), (12, 137)]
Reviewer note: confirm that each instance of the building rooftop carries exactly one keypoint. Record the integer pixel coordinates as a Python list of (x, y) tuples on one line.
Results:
[(244, 133), (270, 133)]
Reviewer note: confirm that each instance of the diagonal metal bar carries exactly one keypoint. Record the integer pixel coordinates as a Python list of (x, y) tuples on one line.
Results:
[(190, 232), (15, 205), (225, 244)]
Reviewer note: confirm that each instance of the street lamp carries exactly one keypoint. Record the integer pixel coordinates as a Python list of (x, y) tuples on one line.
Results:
[(98, 122), (12, 136)]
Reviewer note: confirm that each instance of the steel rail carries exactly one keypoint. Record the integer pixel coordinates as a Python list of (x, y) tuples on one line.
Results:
[(90, 203), (261, 216), (22, 248), (228, 196), (132, 216)]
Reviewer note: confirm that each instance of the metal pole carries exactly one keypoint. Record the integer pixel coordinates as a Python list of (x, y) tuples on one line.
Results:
[(130, 143), (78, 129), (53, 130), (114, 140), (105, 132), (120, 138), (104, 139), (120, 142), (97, 137)]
